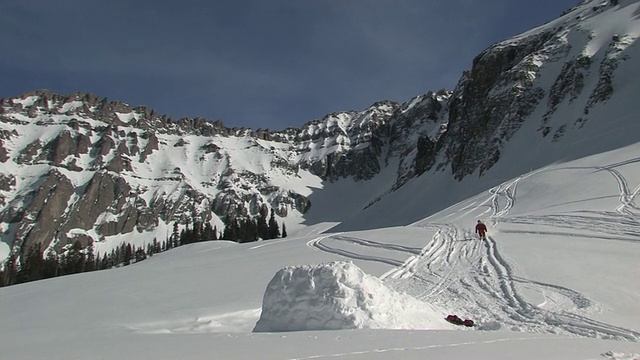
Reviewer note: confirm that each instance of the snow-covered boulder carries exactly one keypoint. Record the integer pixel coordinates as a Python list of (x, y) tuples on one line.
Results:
[(339, 295)]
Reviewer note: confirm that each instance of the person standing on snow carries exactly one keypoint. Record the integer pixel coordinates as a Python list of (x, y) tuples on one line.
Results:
[(481, 230)]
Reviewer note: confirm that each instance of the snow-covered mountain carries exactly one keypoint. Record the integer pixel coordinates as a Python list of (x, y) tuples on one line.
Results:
[(555, 279), (78, 167), (81, 168), (379, 255)]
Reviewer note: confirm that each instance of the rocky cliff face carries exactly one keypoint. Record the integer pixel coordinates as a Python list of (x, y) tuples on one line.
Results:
[(491, 102), (77, 167), (510, 81), (80, 167)]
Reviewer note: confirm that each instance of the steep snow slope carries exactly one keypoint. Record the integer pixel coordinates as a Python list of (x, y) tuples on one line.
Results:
[(559, 92)]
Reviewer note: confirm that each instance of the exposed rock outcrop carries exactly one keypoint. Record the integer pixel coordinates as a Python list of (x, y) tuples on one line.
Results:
[(42, 215)]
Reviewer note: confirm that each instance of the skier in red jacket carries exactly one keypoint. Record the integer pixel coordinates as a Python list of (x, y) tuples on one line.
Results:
[(481, 230)]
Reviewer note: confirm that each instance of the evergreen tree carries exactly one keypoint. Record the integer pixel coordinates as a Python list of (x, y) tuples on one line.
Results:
[(90, 263), (188, 234), (175, 242), (128, 254), (183, 236), (274, 230), (176, 233), (32, 266), (208, 233), (73, 260), (98, 263), (235, 230), (52, 264), (140, 254), (226, 232), (79, 258), (10, 269), (107, 261), (36, 262), (262, 227), (115, 257), (247, 231), (197, 232), (284, 230), (231, 230)]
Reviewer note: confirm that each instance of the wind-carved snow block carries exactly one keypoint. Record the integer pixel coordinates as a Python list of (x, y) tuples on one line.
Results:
[(339, 295)]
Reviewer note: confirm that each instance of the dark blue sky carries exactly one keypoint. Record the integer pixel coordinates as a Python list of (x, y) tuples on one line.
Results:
[(254, 63)]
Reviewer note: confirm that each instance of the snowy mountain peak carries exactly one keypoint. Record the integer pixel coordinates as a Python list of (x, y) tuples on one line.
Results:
[(160, 171)]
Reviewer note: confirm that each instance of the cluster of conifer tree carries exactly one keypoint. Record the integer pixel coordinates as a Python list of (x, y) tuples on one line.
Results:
[(248, 230), (72, 260), (34, 265)]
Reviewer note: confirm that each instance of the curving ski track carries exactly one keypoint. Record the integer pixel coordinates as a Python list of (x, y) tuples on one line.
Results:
[(320, 244), (464, 275)]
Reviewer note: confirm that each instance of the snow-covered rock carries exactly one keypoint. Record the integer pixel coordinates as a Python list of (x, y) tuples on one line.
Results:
[(339, 295)]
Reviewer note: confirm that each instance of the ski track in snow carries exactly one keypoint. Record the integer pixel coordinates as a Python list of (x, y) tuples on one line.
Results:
[(624, 221), (627, 198), (462, 274), (474, 278), (320, 244)]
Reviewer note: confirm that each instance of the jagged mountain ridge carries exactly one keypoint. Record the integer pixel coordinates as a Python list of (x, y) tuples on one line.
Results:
[(566, 66), (77, 167), (81, 167)]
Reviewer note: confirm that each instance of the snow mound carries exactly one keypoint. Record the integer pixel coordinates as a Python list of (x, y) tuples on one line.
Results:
[(339, 295)]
